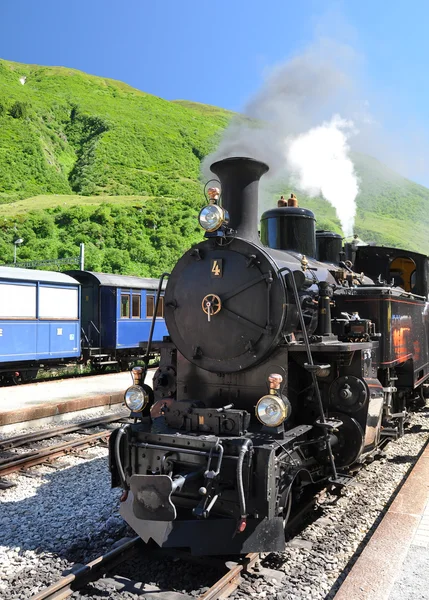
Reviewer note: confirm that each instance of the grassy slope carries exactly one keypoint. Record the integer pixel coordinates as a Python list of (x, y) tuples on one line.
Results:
[(97, 161), (147, 145), (391, 209), (50, 201)]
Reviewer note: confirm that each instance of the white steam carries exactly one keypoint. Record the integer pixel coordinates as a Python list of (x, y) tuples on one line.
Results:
[(319, 163), (293, 125)]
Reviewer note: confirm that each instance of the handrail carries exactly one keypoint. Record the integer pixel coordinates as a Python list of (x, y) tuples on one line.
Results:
[(95, 327)]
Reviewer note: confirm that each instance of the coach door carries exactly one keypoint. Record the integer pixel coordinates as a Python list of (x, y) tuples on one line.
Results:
[(89, 310)]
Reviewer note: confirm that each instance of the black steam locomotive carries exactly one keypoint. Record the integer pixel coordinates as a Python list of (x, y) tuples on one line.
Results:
[(290, 358)]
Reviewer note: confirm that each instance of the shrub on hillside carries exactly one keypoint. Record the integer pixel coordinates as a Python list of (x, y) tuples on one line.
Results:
[(115, 261), (2, 110), (19, 110)]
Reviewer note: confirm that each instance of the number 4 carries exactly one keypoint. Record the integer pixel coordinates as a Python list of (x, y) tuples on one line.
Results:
[(215, 268)]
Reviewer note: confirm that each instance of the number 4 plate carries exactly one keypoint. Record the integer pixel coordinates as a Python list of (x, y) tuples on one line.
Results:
[(217, 267)]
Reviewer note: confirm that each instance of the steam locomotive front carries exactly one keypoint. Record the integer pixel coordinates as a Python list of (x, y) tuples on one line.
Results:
[(226, 299), (204, 470)]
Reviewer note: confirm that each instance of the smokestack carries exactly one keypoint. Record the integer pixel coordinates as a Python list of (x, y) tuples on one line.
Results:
[(239, 179)]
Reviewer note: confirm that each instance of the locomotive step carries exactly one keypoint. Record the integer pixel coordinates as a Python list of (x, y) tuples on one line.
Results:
[(342, 480)]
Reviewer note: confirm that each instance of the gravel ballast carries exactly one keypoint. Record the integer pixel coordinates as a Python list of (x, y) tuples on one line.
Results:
[(59, 516), (53, 518), (319, 559)]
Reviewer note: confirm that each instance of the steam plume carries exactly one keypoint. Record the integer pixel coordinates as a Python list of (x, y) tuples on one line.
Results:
[(293, 125), (320, 164)]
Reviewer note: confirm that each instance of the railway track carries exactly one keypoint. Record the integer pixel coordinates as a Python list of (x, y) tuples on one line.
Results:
[(94, 570), (37, 457), (64, 587), (231, 580), (45, 434), (221, 589), (302, 565), (25, 460)]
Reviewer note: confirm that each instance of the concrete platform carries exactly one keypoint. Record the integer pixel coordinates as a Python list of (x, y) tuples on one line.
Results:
[(50, 399), (395, 563)]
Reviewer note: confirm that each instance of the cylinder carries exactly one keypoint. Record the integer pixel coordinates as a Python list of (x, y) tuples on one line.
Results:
[(329, 245), (290, 229), (239, 178)]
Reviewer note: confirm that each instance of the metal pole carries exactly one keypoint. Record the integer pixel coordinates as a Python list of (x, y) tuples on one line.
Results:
[(152, 325), (82, 257), (14, 255)]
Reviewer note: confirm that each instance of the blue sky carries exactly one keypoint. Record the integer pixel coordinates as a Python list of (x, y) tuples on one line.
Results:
[(219, 52)]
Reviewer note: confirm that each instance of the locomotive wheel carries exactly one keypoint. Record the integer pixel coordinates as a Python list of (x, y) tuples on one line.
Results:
[(29, 375), (15, 379), (23, 376)]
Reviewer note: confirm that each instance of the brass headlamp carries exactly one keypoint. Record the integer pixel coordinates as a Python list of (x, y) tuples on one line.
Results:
[(212, 217), (273, 409)]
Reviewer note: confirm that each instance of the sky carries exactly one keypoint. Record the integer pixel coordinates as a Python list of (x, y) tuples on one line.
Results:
[(220, 52)]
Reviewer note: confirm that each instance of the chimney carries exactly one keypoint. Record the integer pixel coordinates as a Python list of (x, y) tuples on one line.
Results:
[(239, 178)]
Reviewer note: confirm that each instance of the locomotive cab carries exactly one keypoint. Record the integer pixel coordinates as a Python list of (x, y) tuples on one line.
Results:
[(397, 305), (405, 269)]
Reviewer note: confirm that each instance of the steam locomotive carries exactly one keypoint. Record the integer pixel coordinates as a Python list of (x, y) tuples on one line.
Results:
[(290, 358)]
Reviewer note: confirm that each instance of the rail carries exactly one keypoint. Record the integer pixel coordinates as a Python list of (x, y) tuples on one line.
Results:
[(231, 580), (45, 434), (222, 588), (66, 586), (37, 457)]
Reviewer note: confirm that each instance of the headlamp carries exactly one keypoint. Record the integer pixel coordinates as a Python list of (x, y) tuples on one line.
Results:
[(271, 410), (136, 398), (212, 216)]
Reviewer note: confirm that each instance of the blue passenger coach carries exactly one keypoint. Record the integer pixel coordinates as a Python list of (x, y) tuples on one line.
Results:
[(39, 321), (117, 312)]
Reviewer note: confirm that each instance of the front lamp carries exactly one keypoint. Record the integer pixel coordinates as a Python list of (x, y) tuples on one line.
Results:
[(212, 216), (136, 398), (271, 410)]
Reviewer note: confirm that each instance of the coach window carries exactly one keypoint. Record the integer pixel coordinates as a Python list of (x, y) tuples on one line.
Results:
[(125, 306), (17, 301), (136, 306), (150, 307)]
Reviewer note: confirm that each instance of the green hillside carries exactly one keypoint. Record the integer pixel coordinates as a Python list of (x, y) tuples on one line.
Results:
[(89, 159)]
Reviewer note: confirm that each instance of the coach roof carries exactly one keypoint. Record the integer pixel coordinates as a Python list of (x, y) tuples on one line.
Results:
[(13, 273), (118, 281)]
